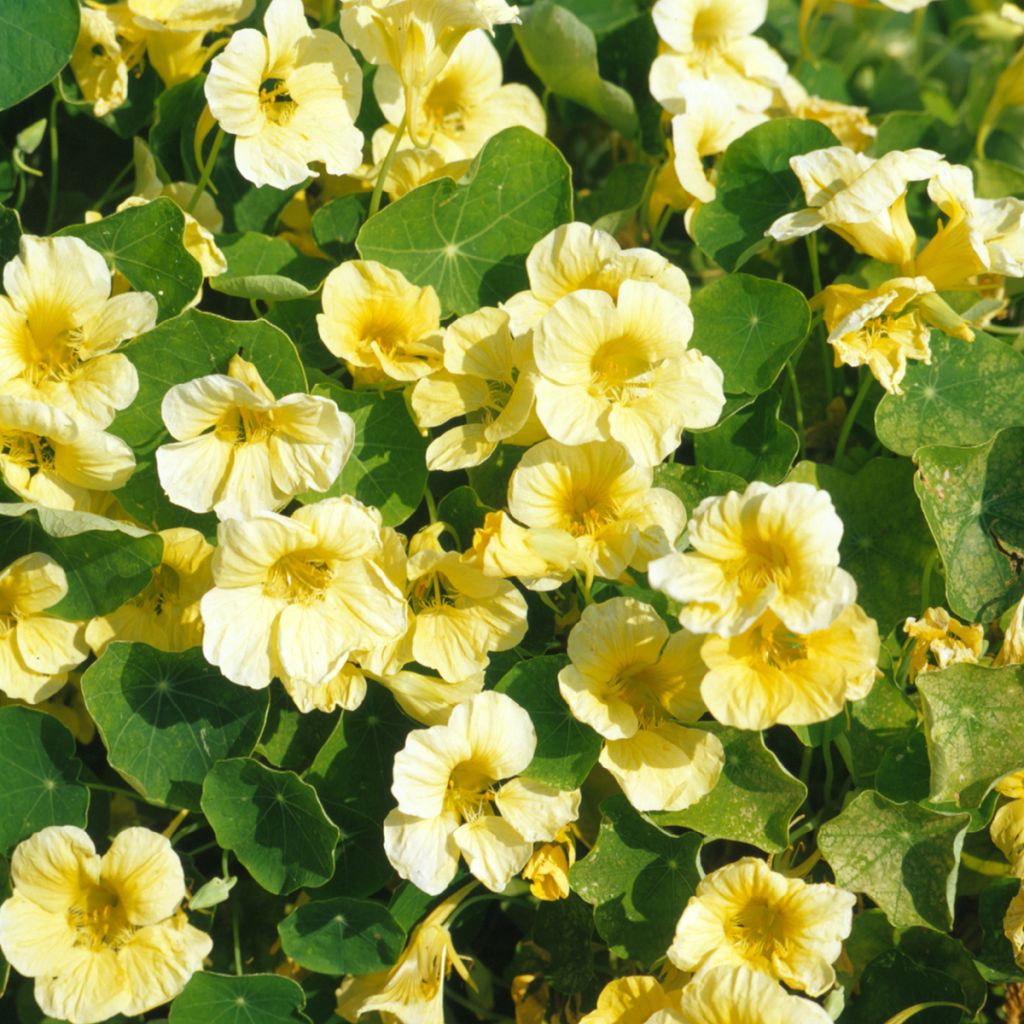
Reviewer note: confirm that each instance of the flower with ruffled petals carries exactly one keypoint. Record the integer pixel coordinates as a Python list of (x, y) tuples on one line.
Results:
[(940, 640), (850, 125), (59, 327), (101, 935), (769, 548), (746, 915), (633, 999), (540, 558), (239, 450), (37, 651), (290, 97), (452, 801), (595, 494), (632, 683)]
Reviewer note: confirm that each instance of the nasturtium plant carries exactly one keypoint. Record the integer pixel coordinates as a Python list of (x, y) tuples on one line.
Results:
[(511, 512)]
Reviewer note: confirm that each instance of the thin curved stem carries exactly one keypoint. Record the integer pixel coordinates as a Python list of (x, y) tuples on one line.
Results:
[(204, 177), (851, 417), (385, 167)]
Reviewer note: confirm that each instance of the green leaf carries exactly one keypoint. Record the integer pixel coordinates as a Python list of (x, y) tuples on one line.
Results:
[(261, 267), (562, 52), (755, 187), (967, 394), (878, 723), (565, 929), (106, 562), (166, 719), (885, 544), (945, 953), (901, 855), (893, 982), (753, 443), (973, 499), (40, 773), (144, 243), (464, 512), (611, 206), (10, 235), (336, 224), (243, 999), (362, 866), (36, 41), (387, 467), (903, 772), (995, 956), (605, 16), (342, 936), (470, 240), (638, 880), (692, 484), (753, 801), (972, 722), (273, 821), (566, 748), (750, 326), (291, 739)]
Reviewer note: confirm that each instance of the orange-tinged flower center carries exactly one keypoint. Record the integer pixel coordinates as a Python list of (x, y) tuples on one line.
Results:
[(100, 919), (444, 107), (246, 426), (619, 369)]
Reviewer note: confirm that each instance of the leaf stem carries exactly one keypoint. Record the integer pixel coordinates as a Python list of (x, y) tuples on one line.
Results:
[(385, 167), (204, 177), (798, 405), (102, 787), (51, 204), (327, 11), (235, 935), (851, 416)]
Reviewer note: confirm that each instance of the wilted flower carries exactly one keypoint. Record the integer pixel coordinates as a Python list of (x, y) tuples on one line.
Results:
[(108, 47), (941, 640)]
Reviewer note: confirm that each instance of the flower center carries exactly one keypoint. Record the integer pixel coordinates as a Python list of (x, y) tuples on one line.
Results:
[(299, 579), (778, 646), (631, 686), (469, 790), (243, 425), (276, 102), (50, 346), (711, 24), (444, 108), (619, 370), (32, 452), (584, 514), (164, 589), (765, 565), (100, 920), (757, 930)]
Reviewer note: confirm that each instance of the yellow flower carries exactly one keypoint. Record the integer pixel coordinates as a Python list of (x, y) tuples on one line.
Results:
[(547, 870), (165, 614), (861, 199), (108, 47), (46, 458), (621, 371), (881, 328), (1013, 925), (411, 992), (850, 125), (59, 326), (769, 674), (736, 995), (713, 40), (385, 328), (595, 494), (769, 548), (1007, 831), (541, 559), (240, 451), (450, 803), (1012, 785), (37, 651), (101, 935), (460, 109), (628, 679), (290, 98), (941, 641), (746, 915), (634, 999), (488, 377), (1012, 650), (295, 597), (577, 256), (429, 700), (417, 38)]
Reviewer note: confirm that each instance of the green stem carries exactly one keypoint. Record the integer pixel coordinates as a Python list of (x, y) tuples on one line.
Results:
[(431, 504), (235, 935), (385, 167), (204, 177), (102, 787), (327, 11), (830, 773), (113, 187), (805, 764), (51, 205), (812, 255), (851, 416), (798, 405), (926, 581)]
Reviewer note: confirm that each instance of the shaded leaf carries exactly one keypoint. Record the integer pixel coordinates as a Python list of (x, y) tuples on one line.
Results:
[(261, 267), (245, 999), (36, 41)]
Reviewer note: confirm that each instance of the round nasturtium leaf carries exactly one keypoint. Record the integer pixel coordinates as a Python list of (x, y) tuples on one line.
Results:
[(36, 41), (245, 999)]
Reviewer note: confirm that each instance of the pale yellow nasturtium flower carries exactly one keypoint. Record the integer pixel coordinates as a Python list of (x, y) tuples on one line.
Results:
[(881, 328), (60, 325), (849, 124), (108, 47), (412, 991), (384, 328), (239, 450), (769, 674), (37, 651), (541, 558), (769, 548), (941, 640), (101, 935), (175, 30), (714, 41), (861, 199), (460, 109), (488, 377), (632, 683), (47, 458), (429, 699), (201, 224), (417, 38), (621, 371), (1007, 831), (595, 494), (577, 256), (290, 97), (737, 995), (746, 915), (547, 870), (633, 999), (1011, 652), (165, 614), (1013, 925), (295, 596), (452, 800)]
